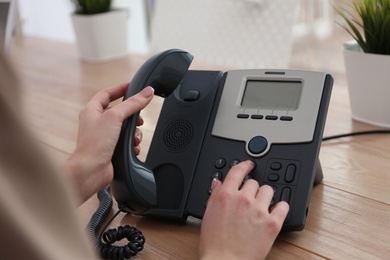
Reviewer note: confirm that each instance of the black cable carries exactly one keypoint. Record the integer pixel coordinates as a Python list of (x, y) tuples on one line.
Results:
[(106, 248), (387, 131)]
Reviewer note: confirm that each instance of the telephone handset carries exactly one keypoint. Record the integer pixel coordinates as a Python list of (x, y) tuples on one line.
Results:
[(134, 184), (212, 121)]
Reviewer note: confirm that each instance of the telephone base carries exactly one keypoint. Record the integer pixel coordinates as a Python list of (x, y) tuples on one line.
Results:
[(319, 175)]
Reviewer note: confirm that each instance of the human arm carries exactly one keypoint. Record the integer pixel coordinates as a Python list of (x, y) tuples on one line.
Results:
[(238, 223), (89, 167)]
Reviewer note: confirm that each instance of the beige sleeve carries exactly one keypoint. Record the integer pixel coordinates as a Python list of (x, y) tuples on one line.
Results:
[(38, 217), (37, 223)]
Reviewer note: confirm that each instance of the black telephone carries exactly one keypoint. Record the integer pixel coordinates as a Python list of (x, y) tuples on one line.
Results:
[(212, 120)]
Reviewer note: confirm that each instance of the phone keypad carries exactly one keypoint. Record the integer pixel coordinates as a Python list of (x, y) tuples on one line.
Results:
[(280, 174)]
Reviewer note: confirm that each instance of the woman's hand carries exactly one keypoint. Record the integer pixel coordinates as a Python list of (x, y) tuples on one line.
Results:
[(89, 166), (238, 223)]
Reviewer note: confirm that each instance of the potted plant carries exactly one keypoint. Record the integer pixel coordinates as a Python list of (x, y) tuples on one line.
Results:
[(367, 59), (101, 31)]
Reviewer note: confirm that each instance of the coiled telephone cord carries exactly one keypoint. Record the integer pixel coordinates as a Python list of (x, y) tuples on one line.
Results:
[(104, 242)]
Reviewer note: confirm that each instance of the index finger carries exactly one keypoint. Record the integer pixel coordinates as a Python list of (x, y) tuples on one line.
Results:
[(104, 97), (134, 103), (237, 174)]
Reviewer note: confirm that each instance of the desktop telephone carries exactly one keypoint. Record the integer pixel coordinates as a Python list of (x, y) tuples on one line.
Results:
[(212, 120)]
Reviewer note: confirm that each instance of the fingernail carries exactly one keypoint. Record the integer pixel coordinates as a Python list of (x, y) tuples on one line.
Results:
[(147, 92), (213, 183), (138, 136), (253, 163)]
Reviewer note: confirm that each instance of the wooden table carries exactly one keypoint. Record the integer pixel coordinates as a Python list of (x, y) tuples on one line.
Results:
[(349, 216)]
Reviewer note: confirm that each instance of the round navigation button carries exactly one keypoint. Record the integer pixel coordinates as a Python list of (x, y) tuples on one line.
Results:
[(257, 145)]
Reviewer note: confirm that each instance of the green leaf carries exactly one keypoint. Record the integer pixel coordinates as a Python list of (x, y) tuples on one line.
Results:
[(373, 18), (91, 6)]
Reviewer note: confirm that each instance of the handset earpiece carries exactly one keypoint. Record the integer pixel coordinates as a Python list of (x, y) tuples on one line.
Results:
[(134, 186)]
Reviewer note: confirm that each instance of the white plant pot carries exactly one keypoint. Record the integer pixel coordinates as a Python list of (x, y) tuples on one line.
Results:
[(368, 77), (101, 37)]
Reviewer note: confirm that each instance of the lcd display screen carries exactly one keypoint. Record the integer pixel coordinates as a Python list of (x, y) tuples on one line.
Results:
[(275, 95)]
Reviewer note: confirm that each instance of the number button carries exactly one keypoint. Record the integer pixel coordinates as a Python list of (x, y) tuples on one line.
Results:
[(220, 163), (217, 175), (290, 173), (234, 162)]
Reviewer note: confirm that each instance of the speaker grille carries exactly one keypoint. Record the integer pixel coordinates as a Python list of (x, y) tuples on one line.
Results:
[(178, 134)]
